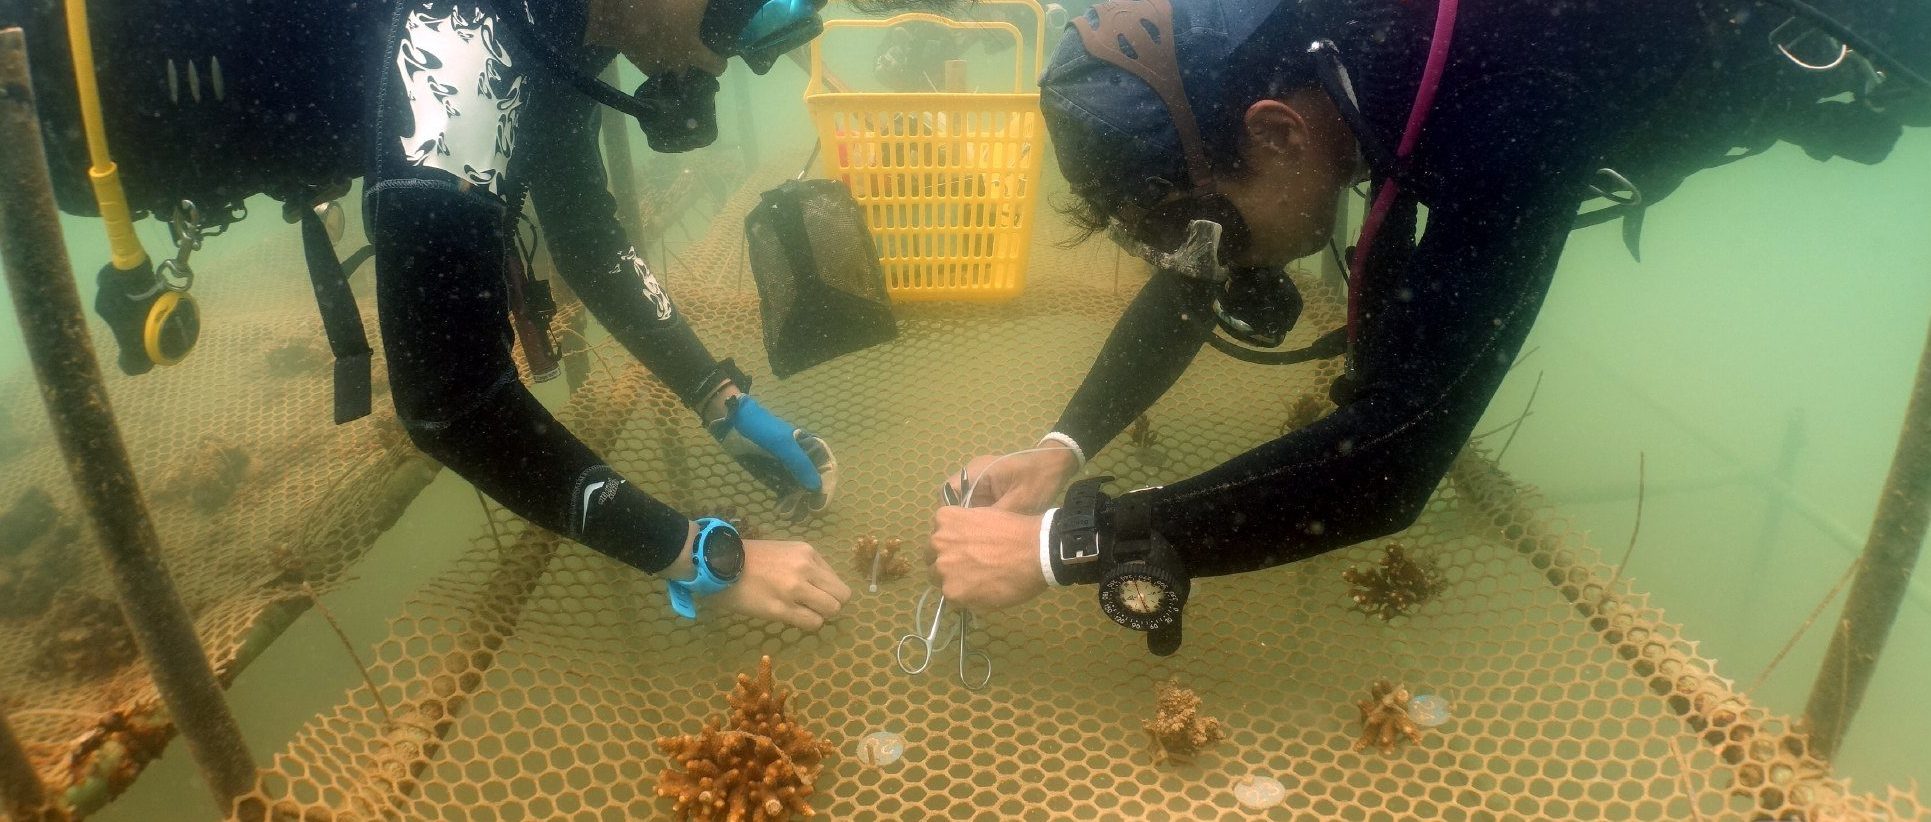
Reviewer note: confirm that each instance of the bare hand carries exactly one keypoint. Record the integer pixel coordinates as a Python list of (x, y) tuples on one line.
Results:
[(1026, 483), (985, 558), (786, 582)]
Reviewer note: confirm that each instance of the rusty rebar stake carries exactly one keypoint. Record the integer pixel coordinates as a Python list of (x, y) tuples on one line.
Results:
[(1890, 554), (55, 330)]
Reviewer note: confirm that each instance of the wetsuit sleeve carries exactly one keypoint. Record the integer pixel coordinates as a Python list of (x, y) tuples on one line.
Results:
[(1151, 346), (439, 216), (593, 255)]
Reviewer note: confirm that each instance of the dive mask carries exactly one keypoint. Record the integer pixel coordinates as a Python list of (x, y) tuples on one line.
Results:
[(760, 31), (1194, 237), (678, 112)]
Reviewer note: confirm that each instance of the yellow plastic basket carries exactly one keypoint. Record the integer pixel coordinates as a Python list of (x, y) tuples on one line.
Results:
[(949, 181)]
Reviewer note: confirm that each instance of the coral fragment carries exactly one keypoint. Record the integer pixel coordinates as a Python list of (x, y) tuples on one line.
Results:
[(1395, 586), (756, 763), (1177, 729), (1384, 718)]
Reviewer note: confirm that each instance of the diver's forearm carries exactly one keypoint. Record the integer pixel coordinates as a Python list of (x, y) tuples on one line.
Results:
[(1151, 346)]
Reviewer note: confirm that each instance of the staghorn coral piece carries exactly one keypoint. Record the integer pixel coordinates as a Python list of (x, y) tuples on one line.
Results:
[(892, 562), (1384, 718), (1178, 730), (1393, 587), (756, 763)]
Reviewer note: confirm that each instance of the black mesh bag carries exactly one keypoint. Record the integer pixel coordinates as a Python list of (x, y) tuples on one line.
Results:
[(820, 286)]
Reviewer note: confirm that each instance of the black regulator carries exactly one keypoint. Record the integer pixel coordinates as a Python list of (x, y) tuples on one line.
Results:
[(1143, 585)]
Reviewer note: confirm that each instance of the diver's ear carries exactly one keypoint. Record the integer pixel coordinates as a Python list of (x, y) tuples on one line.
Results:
[(1275, 128)]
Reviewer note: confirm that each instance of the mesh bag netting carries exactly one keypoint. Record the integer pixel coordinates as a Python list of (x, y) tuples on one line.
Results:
[(820, 285), (532, 680)]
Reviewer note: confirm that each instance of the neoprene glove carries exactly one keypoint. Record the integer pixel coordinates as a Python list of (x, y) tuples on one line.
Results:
[(795, 464)]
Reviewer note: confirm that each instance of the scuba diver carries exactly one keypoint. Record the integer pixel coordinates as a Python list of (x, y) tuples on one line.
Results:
[(1213, 138), (452, 113)]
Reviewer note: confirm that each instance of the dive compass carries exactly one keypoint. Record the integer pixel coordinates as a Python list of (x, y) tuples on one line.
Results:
[(1142, 597), (1145, 586)]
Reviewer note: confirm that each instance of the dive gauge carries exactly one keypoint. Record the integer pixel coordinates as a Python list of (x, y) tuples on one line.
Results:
[(1146, 590)]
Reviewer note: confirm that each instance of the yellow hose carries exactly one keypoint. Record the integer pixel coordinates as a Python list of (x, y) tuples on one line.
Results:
[(123, 246)]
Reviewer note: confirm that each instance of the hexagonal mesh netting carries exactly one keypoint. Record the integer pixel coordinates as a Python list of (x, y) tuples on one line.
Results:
[(532, 680), (253, 492)]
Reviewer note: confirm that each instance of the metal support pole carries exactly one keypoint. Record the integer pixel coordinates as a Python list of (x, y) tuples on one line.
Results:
[(619, 163), (55, 331), (1883, 577), (21, 794), (747, 125)]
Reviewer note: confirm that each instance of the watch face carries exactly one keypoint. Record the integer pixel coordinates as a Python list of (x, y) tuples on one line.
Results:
[(724, 554)]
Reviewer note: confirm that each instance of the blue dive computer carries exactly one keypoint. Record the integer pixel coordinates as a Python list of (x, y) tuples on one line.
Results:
[(718, 554)]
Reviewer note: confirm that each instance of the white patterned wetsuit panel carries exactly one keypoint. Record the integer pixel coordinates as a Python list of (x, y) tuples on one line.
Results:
[(463, 92)]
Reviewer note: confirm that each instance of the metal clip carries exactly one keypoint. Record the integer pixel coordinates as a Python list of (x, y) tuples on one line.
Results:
[(1618, 185), (1776, 39), (185, 224)]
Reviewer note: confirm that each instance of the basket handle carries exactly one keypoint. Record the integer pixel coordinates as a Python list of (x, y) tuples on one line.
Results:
[(816, 84), (1039, 27)]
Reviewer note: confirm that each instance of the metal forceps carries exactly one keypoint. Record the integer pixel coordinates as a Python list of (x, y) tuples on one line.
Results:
[(929, 636)]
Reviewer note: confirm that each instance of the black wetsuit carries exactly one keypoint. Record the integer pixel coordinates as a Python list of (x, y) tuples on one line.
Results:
[(451, 126), (1535, 97)]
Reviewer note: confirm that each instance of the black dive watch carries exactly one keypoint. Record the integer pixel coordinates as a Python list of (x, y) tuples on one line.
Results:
[(1143, 585)]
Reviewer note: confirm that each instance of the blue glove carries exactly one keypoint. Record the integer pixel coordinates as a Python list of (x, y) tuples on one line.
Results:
[(796, 465)]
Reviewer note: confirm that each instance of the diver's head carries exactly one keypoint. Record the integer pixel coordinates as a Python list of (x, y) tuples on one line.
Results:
[(1272, 153), (678, 37)]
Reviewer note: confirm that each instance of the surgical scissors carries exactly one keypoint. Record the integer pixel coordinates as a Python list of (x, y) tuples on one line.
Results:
[(927, 635), (931, 638)]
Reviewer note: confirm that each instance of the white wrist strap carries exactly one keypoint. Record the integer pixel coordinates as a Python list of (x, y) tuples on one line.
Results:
[(1046, 548), (1079, 456)]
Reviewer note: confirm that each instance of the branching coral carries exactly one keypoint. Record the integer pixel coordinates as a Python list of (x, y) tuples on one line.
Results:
[(1142, 433), (1178, 730), (755, 764), (37, 554), (1395, 586), (892, 562), (1303, 412), (86, 638), (1384, 718), (209, 477), (296, 357)]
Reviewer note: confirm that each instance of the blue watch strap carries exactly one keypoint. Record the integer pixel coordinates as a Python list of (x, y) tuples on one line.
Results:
[(684, 593)]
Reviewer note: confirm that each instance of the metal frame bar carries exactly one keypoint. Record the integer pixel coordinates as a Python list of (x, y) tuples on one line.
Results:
[(1883, 576)]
